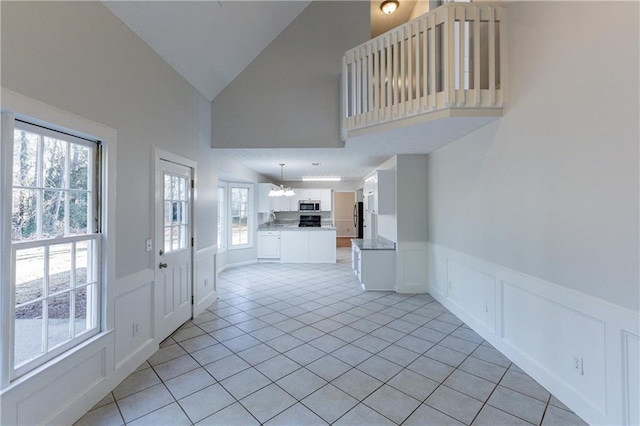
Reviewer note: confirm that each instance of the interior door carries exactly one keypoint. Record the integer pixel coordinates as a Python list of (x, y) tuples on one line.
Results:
[(174, 257)]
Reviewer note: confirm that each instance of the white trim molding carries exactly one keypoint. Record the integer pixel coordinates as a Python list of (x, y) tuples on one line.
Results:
[(546, 329), (205, 280), (411, 268)]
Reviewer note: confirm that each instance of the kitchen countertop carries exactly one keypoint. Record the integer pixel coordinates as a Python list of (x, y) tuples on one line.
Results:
[(295, 228), (375, 244)]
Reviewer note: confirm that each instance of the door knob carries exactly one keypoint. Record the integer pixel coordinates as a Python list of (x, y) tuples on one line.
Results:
[(162, 265)]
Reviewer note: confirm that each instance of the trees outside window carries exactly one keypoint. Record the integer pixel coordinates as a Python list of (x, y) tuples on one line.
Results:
[(55, 243)]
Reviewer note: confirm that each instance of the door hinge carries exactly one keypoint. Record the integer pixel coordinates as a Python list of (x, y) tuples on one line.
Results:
[(192, 299), (191, 241), (193, 185)]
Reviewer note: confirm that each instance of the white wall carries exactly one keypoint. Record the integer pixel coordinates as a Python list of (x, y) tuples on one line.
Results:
[(289, 95), (551, 189), (83, 59), (533, 219), (78, 57)]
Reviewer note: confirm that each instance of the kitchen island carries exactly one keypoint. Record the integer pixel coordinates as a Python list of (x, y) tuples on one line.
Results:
[(374, 263), (293, 244)]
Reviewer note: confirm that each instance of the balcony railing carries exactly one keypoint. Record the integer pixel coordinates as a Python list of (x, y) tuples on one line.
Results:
[(452, 58)]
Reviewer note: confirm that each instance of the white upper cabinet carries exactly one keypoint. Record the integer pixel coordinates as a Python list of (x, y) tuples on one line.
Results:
[(326, 200), (324, 195), (264, 201), (380, 192), (283, 204)]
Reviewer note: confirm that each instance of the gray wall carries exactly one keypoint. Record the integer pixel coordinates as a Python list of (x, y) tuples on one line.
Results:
[(411, 197), (83, 59), (551, 190), (289, 96)]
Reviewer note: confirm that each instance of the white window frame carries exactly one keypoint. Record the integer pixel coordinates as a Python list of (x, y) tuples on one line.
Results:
[(222, 219), (250, 216), (17, 106)]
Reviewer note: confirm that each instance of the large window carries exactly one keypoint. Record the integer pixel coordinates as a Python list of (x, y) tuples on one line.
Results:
[(222, 217), (240, 214), (235, 220), (55, 240)]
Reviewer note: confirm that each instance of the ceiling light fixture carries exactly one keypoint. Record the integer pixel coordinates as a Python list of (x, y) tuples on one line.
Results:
[(282, 191), (389, 6), (321, 178)]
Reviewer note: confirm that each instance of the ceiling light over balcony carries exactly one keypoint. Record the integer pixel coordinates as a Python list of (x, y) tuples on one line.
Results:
[(389, 6)]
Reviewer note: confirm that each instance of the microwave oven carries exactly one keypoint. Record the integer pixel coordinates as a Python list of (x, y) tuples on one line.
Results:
[(309, 206)]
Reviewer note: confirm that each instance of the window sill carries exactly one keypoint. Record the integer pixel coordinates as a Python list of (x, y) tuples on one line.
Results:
[(69, 357)]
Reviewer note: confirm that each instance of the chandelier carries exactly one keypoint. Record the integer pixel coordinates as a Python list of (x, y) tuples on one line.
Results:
[(282, 191)]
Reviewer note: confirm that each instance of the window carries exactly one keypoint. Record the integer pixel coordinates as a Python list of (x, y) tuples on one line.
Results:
[(176, 212), (235, 222), (222, 217), (55, 244), (239, 215)]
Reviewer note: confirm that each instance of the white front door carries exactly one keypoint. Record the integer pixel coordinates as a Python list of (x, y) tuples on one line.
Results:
[(173, 228)]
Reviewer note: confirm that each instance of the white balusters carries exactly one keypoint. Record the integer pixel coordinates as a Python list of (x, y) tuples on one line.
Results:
[(452, 57)]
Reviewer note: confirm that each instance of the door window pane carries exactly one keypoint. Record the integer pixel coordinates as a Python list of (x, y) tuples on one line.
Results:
[(176, 217)]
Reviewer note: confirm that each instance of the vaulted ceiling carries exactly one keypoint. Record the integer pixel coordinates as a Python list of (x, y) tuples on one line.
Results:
[(210, 42)]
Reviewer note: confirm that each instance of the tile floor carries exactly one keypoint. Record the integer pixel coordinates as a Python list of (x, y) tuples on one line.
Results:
[(304, 345)]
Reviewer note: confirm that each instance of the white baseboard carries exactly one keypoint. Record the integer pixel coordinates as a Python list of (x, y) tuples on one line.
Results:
[(542, 327), (234, 265), (83, 404)]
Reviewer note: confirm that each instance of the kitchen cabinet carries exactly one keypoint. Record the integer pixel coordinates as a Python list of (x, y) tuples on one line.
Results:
[(375, 267), (380, 192), (326, 200), (268, 244), (294, 246), (302, 246), (283, 204), (265, 203), (324, 195), (322, 246)]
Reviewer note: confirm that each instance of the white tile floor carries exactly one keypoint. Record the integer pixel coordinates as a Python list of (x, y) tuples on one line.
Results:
[(304, 345)]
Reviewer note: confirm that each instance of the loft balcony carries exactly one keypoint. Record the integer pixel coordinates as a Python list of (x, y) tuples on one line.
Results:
[(446, 65)]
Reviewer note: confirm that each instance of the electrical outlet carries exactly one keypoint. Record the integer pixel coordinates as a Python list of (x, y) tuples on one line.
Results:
[(578, 365), (135, 329), (149, 245)]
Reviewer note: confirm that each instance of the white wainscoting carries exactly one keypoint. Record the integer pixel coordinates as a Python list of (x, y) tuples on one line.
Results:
[(411, 267), (63, 390), (544, 327), (205, 282), (134, 314)]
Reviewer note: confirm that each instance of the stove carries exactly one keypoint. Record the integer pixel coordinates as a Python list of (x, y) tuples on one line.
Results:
[(310, 221)]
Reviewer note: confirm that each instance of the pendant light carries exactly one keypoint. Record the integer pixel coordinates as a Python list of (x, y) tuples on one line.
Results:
[(288, 192)]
